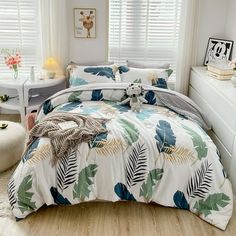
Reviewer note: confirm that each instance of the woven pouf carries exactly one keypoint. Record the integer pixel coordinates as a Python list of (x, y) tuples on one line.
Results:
[(12, 144)]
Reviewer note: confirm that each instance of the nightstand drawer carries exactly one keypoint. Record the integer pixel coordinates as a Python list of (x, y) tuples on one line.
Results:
[(218, 103), (219, 126)]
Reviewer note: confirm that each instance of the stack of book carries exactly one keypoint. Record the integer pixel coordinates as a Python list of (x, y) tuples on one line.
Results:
[(220, 71)]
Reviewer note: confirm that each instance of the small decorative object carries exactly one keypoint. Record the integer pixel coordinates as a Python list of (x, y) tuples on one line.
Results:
[(32, 75), (51, 66), (218, 49), (135, 99), (4, 98), (13, 62), (3, 125), (85, 22), (220, 69), (233, 78)]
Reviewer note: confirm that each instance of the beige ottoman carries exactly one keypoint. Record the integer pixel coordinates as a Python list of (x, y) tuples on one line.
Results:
[(12, 144)]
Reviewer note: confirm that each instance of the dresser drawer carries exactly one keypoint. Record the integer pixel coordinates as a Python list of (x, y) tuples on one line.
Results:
[(233, 167), (225, 155), (219, 126), (213, 97)]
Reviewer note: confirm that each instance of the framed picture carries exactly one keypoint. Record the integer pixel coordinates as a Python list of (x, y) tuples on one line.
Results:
[(85, 22), (218, 49)]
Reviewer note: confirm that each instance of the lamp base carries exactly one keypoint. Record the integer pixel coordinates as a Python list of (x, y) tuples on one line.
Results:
[(51, 74)]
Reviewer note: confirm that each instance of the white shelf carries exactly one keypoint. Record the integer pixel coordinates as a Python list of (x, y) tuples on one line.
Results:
[(11, 104)]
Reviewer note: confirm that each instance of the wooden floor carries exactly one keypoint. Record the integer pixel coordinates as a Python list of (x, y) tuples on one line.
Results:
[(13, 117), (112, 219)]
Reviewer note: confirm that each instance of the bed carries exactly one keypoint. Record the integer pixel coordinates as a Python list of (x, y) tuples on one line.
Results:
[(161, 154)]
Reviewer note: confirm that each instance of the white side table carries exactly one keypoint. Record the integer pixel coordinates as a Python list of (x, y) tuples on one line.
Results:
[(15, 88), (35, 92)]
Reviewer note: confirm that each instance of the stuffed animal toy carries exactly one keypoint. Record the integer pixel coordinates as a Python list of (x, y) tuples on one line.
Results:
[(135, 99)]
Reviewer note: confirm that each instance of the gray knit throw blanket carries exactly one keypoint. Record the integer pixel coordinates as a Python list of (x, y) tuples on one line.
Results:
[(63, 140)]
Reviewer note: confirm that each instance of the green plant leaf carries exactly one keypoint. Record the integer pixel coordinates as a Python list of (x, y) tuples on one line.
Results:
[(74, 97), (81, 189), (24, 196), (146, 188), (212, 203), (131, 133), (198, 143)]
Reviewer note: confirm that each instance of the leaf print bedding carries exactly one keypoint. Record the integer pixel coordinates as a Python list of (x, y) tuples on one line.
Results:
[(157, 155)]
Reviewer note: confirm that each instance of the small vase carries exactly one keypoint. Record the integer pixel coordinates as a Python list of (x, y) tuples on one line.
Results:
[(233, 80), (15, 73)]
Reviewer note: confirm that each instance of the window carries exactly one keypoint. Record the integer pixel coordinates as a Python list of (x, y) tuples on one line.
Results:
[(145, 30), (19, 29)]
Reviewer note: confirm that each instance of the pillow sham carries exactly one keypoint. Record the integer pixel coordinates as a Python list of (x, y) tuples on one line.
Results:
[(81, 75), (154, 77), (143, 64)]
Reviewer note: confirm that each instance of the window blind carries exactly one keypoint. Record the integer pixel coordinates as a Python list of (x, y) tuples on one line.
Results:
[(144, 30), (19, 29)]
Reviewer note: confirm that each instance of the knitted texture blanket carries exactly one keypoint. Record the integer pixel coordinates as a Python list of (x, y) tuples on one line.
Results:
[(63, 140)]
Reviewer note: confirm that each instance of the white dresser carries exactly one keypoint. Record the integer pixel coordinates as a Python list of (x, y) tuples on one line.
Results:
[(218, 100)]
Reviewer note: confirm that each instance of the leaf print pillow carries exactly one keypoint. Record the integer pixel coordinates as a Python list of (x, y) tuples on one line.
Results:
[(81, 75), (154, 77)]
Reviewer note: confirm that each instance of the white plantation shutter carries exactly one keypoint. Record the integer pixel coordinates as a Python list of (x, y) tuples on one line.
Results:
[(144, 30), (19, 29)]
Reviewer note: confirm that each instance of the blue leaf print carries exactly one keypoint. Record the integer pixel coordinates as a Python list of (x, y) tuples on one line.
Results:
[(161, 83), (70, 106), (150, 97), (165, 137), (88, 110), (97, 95), (122, 108), (123, 193), (100, 71), (75, 81), (58, 198), (180, 200), (47, 107), (31, 148), (96, 142), (123, 69), (144, 114)]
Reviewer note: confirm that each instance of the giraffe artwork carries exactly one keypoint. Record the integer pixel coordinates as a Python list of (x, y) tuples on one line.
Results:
[(85, 22)]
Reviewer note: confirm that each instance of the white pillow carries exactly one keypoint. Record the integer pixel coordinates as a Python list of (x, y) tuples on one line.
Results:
[(144, 76), (143, 64), (80, 75)]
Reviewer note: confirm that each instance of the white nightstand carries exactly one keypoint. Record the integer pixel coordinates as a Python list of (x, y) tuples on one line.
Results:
[(35, 92), (15, 88), (29, 94)]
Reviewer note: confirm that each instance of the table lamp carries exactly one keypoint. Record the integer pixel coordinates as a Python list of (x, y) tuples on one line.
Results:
[(51, 66)]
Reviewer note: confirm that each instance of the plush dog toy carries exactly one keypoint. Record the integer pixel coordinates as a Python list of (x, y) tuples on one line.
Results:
[(135, 99)]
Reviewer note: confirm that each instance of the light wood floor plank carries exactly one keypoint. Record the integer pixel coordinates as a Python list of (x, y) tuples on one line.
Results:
[(112, 219)]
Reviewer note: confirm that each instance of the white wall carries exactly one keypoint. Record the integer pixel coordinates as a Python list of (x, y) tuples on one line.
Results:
[(89, 50), (212, 17), (230, 29)]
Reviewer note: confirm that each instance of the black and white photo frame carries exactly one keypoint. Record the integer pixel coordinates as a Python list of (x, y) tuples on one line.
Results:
[(218, 49)]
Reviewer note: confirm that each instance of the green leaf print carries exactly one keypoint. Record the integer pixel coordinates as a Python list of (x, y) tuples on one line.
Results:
[(146, 188), (24, 196), (131, 133), (81, 189), (212, 203), (74, 97), (198, 143)]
